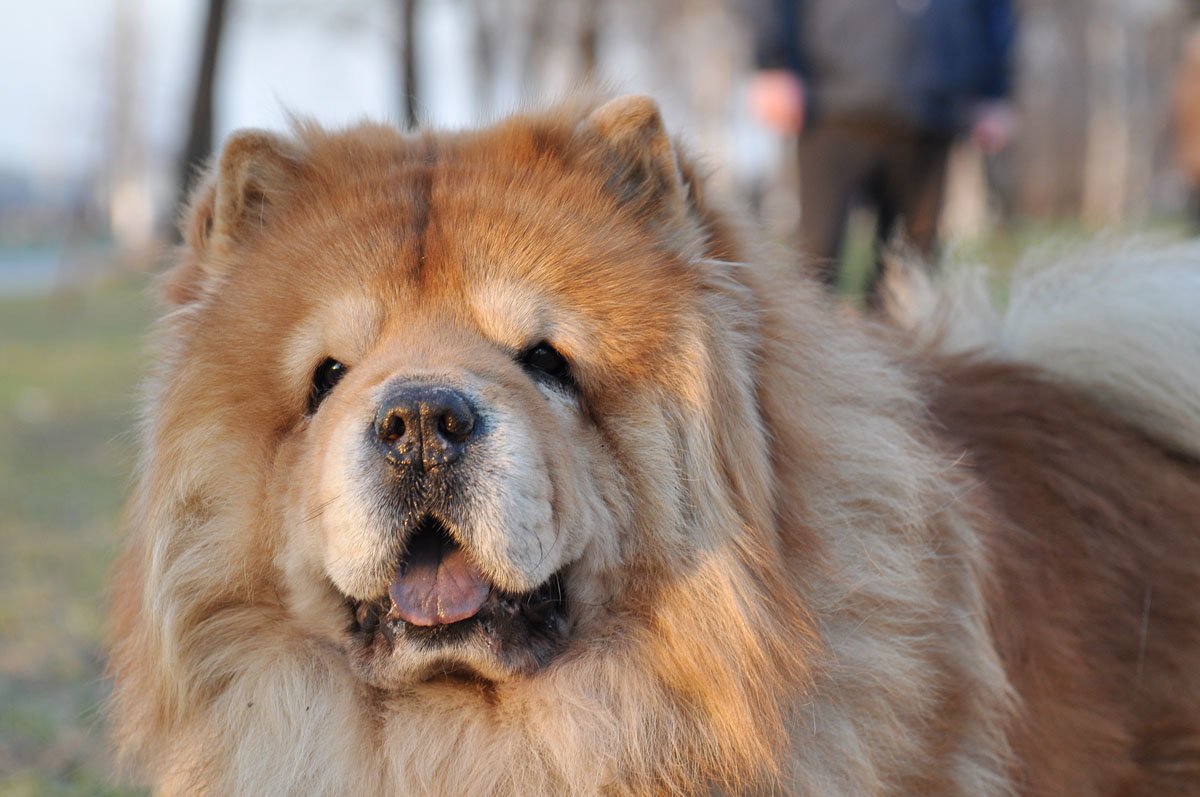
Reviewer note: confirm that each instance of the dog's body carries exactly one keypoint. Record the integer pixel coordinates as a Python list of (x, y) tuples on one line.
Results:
[(483, 464), (1092, 556)]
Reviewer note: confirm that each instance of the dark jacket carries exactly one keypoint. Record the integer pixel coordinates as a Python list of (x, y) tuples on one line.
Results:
[(919, 62)]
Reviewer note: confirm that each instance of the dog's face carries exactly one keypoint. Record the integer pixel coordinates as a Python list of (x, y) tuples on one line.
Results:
[(467, 373), (451, 486)]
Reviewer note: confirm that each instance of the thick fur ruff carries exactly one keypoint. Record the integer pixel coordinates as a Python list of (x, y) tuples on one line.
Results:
[(801, 556), (1114, 319)]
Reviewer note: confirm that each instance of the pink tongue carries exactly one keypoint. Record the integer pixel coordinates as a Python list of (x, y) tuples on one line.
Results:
[(437, 586)]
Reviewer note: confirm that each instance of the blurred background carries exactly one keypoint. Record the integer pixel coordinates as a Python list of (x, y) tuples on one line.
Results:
[(110, 104)]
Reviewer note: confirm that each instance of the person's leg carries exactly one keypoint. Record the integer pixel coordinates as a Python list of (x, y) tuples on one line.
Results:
[(834, 160), (910, 193), (886, 201), (922, 193), (882, 199)]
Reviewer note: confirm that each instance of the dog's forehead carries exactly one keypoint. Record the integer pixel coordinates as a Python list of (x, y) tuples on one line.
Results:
[(518, 246)]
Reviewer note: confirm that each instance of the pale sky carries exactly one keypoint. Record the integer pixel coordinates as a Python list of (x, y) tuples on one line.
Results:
[(333, 61)]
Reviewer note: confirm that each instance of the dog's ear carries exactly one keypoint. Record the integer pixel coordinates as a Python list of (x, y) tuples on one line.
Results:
[(234, 201), (627, 139), (255, 172)]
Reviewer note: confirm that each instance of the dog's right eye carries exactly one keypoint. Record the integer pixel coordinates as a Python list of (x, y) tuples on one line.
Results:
[(327, 375), (543, 359)]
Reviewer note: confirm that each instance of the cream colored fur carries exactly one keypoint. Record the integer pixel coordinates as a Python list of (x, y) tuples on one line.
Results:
[(1118, 319)]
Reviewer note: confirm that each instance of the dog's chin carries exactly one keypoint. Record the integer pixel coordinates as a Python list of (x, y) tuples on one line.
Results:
[(500, 636)]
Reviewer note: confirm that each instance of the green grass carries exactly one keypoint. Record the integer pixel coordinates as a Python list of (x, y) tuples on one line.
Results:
[(69, 369)]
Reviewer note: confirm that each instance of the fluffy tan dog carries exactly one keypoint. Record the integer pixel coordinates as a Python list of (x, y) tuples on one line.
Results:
[(487, 463)]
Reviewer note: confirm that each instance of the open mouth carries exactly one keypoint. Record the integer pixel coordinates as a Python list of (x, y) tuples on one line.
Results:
[(438, 599)]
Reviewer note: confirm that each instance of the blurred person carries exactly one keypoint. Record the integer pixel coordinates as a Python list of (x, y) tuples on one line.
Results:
[(878, 91)]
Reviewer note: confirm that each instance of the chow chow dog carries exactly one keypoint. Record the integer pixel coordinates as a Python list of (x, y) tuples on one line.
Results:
[(507, 462)]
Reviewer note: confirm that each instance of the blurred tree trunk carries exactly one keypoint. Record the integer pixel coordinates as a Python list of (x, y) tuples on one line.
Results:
[(485, 57), (408, 105), (1052, 81), (537, 45), (200, 128), (1106, 145), (589, 38)]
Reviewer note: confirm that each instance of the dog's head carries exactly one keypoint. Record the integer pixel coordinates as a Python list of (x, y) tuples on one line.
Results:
[(478, 390)]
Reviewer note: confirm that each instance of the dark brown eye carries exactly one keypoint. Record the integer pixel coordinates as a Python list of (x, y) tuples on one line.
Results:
[(327, 375), (543, 360)]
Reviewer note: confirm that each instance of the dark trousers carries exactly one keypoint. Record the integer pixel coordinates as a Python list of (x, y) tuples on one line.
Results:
[(895, 169)]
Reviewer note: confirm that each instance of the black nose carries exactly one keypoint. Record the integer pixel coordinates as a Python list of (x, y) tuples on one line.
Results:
[(424, 426)]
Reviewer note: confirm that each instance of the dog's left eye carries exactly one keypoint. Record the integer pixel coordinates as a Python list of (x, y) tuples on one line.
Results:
[(545, 359), (327, 375)]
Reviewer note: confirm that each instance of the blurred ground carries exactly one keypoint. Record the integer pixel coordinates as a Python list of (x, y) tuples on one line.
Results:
[(70, 364)]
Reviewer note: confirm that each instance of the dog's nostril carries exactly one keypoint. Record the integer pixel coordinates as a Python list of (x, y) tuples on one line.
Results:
[(391, 427), (455, 425)]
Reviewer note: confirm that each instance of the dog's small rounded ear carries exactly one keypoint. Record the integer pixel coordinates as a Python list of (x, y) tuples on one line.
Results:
[(256, 171), (235, 199), (628, 139)]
